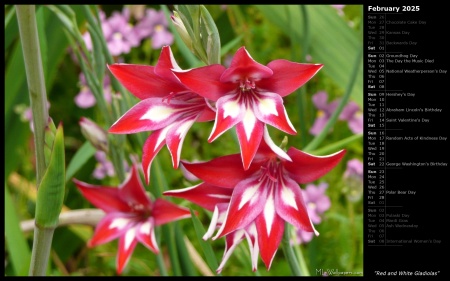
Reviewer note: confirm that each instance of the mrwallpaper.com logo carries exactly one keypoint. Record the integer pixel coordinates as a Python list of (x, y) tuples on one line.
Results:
[(336, 272)]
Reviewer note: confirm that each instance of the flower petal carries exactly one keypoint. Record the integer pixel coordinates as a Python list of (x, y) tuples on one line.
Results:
[(127, 243), (319, 124), (152, 146), (225, 171), (268, 143), (148, 115), (208, 114), (247, 202), (231, 241), (320, 100), (166, 63), (205, 195), (111, 226), (270, 228), (132, 191), (205, 81), (105, 198), (306, 167), (243, 66), (269, 108), (146, 235), (230, 111), (142, 81), (251, 234), (288, 76), (290, 205), (249, 132), (175, 138), (217, 219), (165, 211), (349, 111)]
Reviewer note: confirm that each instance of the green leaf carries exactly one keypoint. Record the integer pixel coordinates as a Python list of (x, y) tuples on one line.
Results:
[(187, 267), (18, 250), (334, 147), (83, 154), (50, 194), (206, 247), (11, 27), (332, 41), (230, 45), (211, 42)]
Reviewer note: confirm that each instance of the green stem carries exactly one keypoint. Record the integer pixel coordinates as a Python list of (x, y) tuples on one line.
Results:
[(38, 99), (159, 256), (289, 253), (41, 251), (302, 260), (36, 84), (351, 216), (301, 95), (331, 148), (169, 235), (320, 137)]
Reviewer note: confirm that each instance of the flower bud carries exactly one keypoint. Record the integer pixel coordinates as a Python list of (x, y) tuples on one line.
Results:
[(94, 134), (181, 29)]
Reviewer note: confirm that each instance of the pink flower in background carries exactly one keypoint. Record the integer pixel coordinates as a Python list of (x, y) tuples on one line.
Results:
[(85, 98), (119, 33), (104, 167), (354, 180), (350, 113), (154, 25), (131, 216), (257, 202), (339, 9), (355, 168), (248, 95), (317, 202), (325, 110)]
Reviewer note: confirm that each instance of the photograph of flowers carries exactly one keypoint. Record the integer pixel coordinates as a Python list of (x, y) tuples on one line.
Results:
[(184, 140)]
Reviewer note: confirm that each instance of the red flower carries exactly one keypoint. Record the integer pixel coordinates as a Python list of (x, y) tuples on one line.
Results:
[(130, 216), (248, 95), (255, 203), (167, 107)]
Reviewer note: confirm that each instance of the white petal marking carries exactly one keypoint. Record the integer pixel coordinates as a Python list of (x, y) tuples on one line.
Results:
[(212, 225), (280, 152), (219, 196), (269, 213), (119, 223), (184, 128), (254, 248), (249, 122), (288, 197), (248, 194), (231, 108), (158, 113), (267, 106), (229, 251), (145, 228), (129, 237), (162, 136)]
